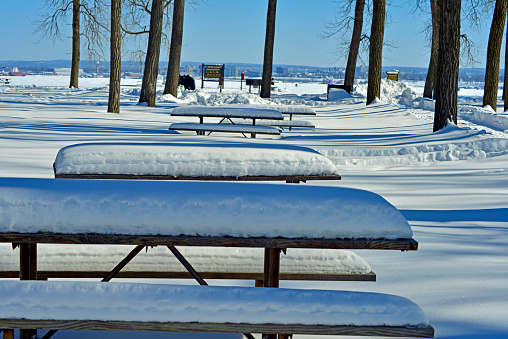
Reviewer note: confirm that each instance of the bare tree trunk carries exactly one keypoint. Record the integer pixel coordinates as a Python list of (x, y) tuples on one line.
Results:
[(494, 54), (430, 81), (448, 64), (175, 51), (116, 57), (349, 77), (505, 87), (76, 10), (376, 50), (266, 81), (149, 85)]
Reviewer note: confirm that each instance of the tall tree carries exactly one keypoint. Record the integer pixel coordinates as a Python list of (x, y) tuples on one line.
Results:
[(53, 16), (430, 81), (349, 77), (149, 84), (448, 64), (505, 87), (175, 51), (494, 54), (266, 81), (115, 57), (76, 54), (376, 50)]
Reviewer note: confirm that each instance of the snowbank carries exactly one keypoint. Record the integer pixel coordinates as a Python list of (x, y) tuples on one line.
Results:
[(196, 208), (338, 94)]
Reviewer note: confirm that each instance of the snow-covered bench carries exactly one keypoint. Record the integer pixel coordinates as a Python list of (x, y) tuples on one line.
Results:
[(173, 308), (87, 261), (201, 129), (180, 161)]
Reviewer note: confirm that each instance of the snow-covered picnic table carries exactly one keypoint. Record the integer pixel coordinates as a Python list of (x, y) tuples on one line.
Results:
[(189, 213), (180, 161), (226, 113)]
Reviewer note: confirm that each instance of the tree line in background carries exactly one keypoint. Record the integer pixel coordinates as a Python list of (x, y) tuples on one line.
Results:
[(109, 22)]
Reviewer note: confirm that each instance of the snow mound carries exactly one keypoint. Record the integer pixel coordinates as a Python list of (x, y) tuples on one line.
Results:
[(338, 94), (485, 116), (426, 153), (207, 98)]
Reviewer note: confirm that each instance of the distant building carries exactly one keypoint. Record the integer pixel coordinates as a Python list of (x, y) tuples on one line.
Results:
[(282, 71), (231, 72)]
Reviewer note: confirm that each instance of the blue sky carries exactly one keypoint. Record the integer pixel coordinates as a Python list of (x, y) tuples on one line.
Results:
[(225, 31)]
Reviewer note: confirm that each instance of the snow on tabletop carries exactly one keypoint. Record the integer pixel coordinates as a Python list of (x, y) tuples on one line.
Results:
[(203, 259), (186, 160), (173, 208), (227, 111), (204, 304)]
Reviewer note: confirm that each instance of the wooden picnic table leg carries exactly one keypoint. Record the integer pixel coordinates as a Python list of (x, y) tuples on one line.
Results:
[(8, 334), (253, 135), (271, 279), (28, 271), (271, 275)]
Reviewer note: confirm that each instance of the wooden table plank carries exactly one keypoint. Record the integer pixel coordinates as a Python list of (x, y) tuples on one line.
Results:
[(149, 240), (384, 331)]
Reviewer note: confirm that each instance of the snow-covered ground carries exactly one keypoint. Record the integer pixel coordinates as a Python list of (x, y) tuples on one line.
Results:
[(450, 185)]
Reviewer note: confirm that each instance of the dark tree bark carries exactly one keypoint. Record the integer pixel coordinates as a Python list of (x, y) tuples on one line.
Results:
[(505, 88), (76, 11), (175, 51), (376, 50), (430, 81), (149, 84), (349, 77), (448, 64), (266, 81), (494, 54), (115, 57)]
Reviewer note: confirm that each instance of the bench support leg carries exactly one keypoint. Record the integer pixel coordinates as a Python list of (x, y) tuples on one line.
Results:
[(271, 275), (28, 271), (8, 334)]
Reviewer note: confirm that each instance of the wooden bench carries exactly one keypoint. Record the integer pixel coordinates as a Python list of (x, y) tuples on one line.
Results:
[(200, 129), (86, 261), (172, 308), (208, 214)]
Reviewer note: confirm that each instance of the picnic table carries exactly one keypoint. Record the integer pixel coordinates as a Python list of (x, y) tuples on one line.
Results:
[(226, 114), (172, 213)]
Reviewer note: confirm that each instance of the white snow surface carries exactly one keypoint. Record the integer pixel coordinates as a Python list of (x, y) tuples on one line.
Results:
[(203, 304), (190, 160), (450, 185), (195, 208)]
